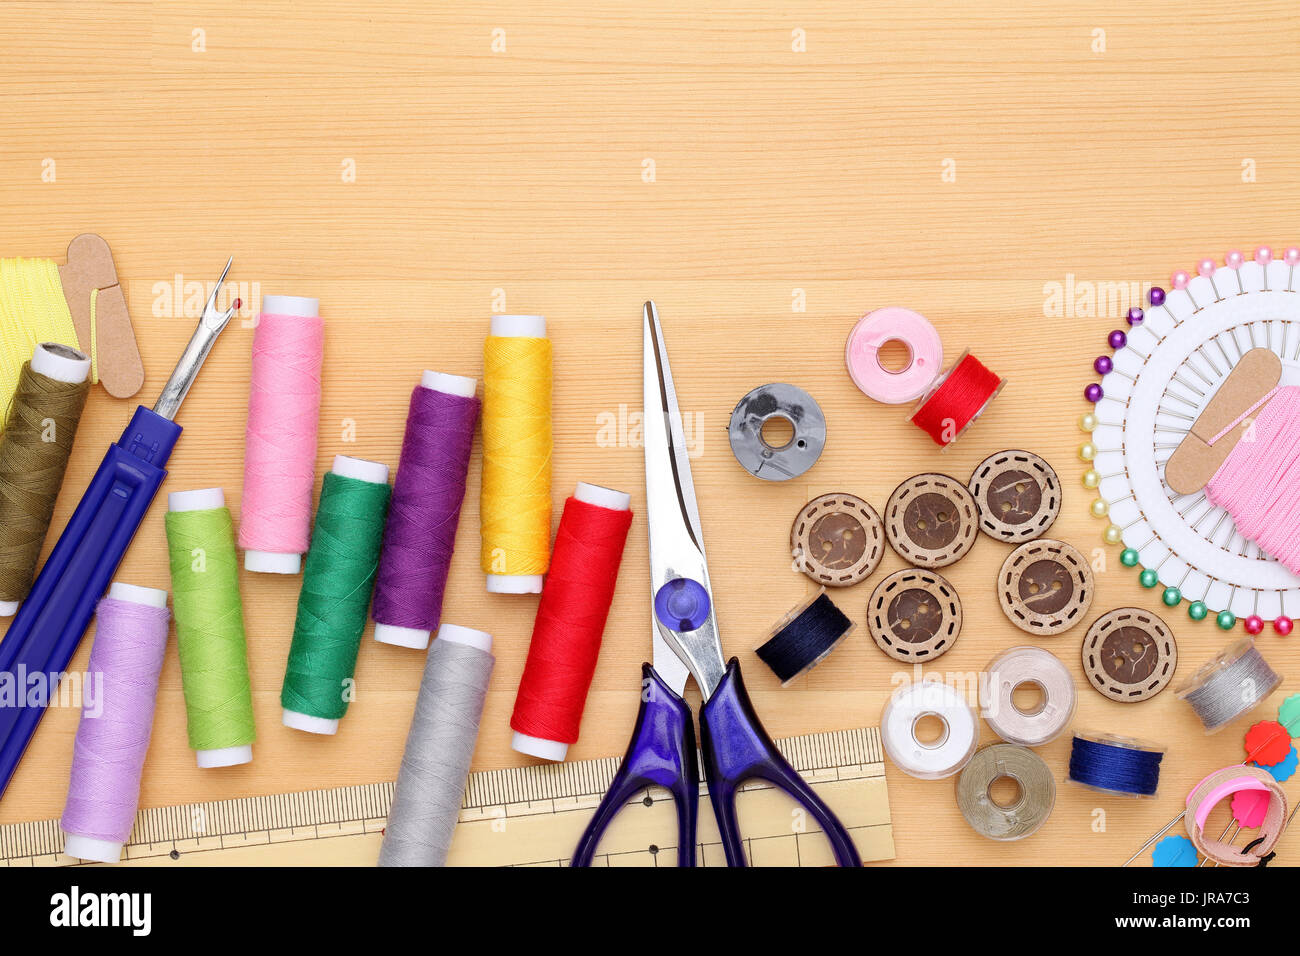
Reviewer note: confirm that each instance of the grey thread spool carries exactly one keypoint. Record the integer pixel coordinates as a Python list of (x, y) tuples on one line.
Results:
[(1231, 683), (439, 748), (1027, 814)]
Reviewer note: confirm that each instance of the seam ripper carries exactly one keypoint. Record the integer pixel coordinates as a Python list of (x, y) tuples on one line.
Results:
[(52, 620)]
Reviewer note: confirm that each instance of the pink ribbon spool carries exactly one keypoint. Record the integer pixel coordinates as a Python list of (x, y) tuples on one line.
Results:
[(872, 333)]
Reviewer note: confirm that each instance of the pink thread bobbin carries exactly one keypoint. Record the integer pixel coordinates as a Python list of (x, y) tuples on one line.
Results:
[(872, 333)]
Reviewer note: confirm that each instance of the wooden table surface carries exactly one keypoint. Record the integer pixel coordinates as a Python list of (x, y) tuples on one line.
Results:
[(767, 175)]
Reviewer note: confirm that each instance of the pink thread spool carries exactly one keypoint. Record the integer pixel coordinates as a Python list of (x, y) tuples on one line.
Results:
[(280, 441), (872, 333)]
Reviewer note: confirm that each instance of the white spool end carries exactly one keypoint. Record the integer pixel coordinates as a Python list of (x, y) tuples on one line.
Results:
[(402, 636), (88, 848), (201, 499), (134, 594), (537, 747), (9, 608), (467, 636), (310, 724), (514, 583), (362, 469), (603, 497), (296, 305), (450, 384), (62, 363), (224, 757), (272, 562), (518, 326)]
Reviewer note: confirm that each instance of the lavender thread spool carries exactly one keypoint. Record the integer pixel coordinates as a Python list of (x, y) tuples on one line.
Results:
[(108, 757), (425, 511)]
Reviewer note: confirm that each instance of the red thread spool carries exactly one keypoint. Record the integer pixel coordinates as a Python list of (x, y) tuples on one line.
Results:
[(570, 620), (956, 400)]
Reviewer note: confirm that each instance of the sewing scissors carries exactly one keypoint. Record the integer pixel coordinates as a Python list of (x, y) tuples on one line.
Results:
[(685, 641)]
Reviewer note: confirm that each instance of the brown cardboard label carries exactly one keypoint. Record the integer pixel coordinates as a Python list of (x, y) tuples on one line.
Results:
[(90, 266)]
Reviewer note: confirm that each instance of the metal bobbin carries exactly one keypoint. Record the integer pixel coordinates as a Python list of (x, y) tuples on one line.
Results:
[(1129, 655), (1027, 814), (771, 462), (931, 520), (837, 540), (914, 615), (1018, 494), (1045, 586)]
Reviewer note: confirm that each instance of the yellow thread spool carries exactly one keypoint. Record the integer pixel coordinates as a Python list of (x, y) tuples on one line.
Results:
[(515, 503), (32, 310)]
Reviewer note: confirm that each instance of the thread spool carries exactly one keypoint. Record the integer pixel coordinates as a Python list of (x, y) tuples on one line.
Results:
[(515, 503), (280, 440), (749, 441), (40, 425), (1230, 684), (425, 511), (33, 309), (338, 577), (874, 332), (570, 621), (1122, 766), (210, 637), (439, 749), (109, 752), (1020, 667), (1256, 484), (1129, 655), (1023, 817), (1235, 782), (929, 759), (837, 540), (956, 400), (914, 615), (1045, 586), (804, 638)]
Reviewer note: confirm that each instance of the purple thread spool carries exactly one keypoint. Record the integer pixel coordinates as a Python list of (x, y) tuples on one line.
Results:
[(422, 519), (116, 722)]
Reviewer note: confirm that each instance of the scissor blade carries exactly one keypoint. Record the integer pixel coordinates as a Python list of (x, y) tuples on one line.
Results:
[(667, 663)]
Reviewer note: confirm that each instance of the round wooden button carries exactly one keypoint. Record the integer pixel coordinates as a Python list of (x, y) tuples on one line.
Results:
[(914, 615), (931, 520), (1045, 586), (837, 540), (1129, 654), (1018, 495)]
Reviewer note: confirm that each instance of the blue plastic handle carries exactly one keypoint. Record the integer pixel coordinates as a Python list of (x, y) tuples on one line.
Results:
[(52, 620), (662, 753), (736, 748)]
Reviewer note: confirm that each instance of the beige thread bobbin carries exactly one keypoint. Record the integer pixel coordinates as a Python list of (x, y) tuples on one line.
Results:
[(1029, 811), (1019, 667)]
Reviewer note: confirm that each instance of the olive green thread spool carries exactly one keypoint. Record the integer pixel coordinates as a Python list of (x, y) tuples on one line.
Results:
[(37, 429), (210, 636), (338, 578)]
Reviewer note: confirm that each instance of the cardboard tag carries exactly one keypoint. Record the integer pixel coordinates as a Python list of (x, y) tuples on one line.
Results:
[(117, 357), (1195, 460)]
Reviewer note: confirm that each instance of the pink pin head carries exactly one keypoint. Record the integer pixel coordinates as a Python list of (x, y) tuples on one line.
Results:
[(1291, 256), (1179, 279), (1205, 267), (1234, 259), (1263, 255)]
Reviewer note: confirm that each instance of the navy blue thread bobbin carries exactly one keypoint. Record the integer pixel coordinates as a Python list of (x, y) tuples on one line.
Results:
[(1118, 765), (805, 638)]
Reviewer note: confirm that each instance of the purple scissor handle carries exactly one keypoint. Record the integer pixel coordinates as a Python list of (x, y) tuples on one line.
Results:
[(735, 748)]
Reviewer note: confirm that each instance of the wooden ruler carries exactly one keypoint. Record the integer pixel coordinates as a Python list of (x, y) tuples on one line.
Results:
[(523, 816)]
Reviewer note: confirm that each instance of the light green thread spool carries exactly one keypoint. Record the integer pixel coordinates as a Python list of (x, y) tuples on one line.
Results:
[(210, 627), (338, 577)]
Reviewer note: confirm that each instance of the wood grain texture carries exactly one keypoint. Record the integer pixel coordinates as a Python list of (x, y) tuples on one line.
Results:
[(513, 181)]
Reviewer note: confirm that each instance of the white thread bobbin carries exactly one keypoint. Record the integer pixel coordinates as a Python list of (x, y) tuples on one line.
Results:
[(1034, 667), (935, 759), (915, 333)]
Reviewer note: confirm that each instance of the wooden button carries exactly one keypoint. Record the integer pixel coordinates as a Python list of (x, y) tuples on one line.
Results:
[(931, 520), (1129, 655), (1045, 586), (1018, 494), (837, 540), (914, 615)]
